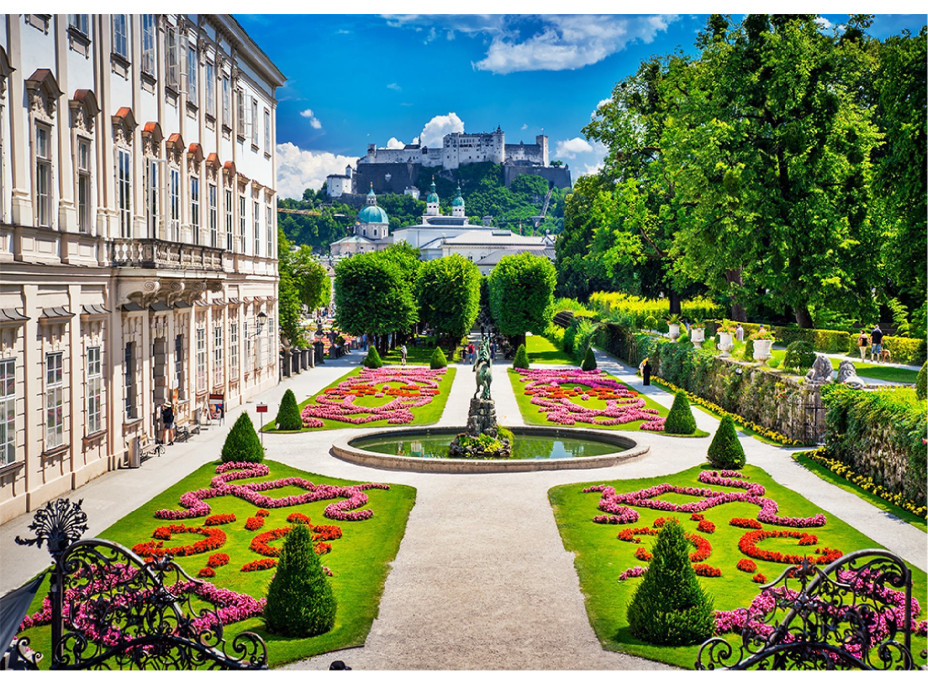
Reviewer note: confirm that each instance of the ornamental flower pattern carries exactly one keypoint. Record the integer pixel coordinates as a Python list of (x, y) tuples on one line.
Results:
[(554, 391), (193, 503), (409, 387)]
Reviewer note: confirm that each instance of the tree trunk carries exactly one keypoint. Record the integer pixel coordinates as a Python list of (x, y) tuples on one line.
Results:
[(674, 298), (803, 317), (738, 311)]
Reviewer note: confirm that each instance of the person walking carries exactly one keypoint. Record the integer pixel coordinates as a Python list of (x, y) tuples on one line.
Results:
[(403, 353), (167, 423), (876, 343), (863, 342), (739, 333)]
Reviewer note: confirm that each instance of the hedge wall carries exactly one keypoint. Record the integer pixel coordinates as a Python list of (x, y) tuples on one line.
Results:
[(620, 341), (879, 434)]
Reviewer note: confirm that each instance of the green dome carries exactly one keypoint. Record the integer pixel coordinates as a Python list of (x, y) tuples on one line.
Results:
[(433, 196), (458, 200), (373, 215)]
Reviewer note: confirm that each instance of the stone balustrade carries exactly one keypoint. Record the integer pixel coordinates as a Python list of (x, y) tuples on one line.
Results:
[(151, 253)]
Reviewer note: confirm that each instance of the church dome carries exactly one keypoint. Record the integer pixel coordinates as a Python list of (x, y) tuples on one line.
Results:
[(373, 215), (458, 200), (433, 196)]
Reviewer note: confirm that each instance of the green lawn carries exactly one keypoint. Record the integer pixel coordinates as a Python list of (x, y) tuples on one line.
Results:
[(416, 354), (359, 560), (542, 351), (532, 414), (427, 414), (601, 558), (865, 370)]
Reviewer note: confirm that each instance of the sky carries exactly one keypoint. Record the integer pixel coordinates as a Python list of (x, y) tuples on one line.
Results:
[(394, 79)]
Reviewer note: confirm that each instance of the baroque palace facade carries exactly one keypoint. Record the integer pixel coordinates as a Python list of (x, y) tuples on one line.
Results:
[(137, 236)]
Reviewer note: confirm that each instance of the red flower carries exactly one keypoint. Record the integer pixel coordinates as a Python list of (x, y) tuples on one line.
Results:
[(706, 570), (254, 523), (262, 513), (746, 565), (748, 546), (258, 565), (217, 519), (295, 517), (217, 560), (696, 517), (214, 539), (643, 555), (205, 573), (745, 523), (706, 526), (759, 579)]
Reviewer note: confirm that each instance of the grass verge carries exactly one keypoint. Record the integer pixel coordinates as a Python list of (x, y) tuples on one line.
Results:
[(359, 560), (600, 558), (541, 350)]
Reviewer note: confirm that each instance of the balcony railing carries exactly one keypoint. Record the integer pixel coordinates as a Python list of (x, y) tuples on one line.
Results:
[(153, 253)]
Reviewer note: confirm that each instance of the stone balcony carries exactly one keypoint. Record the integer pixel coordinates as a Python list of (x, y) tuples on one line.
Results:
[(153, 253)]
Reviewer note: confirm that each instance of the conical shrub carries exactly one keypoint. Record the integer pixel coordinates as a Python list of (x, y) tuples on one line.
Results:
[(521, 359), (372, 359), (300, 602), (725, 451), (669, 607), (438, 361), (589, 361), (242, 444), (288, 416), (680, 419), (920, 382)]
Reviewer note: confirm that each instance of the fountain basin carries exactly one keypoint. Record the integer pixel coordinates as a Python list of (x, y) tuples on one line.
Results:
[(612, 448)]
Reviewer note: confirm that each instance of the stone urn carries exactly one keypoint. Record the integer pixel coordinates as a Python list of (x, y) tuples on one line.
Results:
[(674, 331), (725, 343), (697, 336), (762, 350)]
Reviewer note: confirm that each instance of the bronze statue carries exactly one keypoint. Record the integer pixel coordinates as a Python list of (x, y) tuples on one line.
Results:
[(483, 366)]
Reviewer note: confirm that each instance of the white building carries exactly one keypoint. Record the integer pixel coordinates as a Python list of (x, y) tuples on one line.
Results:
[(137, 236), (338, 185), (372, 232)]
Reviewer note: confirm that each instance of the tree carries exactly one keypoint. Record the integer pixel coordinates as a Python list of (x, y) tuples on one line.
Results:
[(312, 278), (589, 361), (438, 359), (289, 307), (680, 419), (300, 602), (288, 415), (520, 361), (921, 382), (448, 292), (725, 451), (373, 296), (372, 359), (242, 444), (669, 606), (521, 289)]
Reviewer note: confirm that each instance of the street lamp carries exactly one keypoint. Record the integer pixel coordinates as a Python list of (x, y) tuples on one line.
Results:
[(262, 318)]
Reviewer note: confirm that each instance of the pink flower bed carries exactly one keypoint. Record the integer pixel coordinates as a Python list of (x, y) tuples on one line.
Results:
[(619, 505), (194, 505), (418, 386), (623, 405)]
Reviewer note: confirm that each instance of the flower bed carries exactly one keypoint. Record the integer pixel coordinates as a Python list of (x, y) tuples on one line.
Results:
[(214, 539), (571, 396), (406, 389)]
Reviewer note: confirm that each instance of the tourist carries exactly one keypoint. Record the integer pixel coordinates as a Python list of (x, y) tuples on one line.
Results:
[(403, 353), (739, 333), (863, 342), (167, 422), (876, 343), (493, 350)]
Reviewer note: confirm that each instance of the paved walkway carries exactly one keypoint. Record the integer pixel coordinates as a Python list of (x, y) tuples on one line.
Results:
[(481, 580)]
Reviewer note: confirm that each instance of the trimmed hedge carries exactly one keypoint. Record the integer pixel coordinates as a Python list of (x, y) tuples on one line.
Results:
[(520, 361), (879, 434), (288, 416), (695, 309), (920, 383), (438, 360), (242, 444), (680, 419), (589, 361), (372, 359), (725, 451), (799, 357)]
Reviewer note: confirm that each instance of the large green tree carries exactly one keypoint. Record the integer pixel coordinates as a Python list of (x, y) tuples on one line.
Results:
[(521, 294), (448, 292)]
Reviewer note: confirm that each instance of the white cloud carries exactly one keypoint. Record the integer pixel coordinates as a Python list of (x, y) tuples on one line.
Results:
[(394, 87), (824, 23), (437, 127), (395, 144), (524, 126), (569, 42), (570, 148), (298, 169), (313, 121)]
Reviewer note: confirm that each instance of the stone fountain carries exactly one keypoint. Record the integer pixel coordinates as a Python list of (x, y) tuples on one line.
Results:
[(481, 437)]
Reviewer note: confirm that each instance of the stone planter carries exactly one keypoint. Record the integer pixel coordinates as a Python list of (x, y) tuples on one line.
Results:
[(674, 331), (725, 343), (697, 336), (762, 350)]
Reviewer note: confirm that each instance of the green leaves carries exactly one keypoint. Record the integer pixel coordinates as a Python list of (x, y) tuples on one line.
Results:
[(373, 293), (448, 291), (521, 293)]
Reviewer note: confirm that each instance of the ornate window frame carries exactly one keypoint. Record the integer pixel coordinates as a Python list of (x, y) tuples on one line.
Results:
[(43, 94), (84, 110)]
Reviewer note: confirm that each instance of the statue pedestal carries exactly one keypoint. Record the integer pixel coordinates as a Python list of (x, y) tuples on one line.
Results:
[(482, 417)]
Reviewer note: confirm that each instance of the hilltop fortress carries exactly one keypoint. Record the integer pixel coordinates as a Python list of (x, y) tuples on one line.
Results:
[(394, 170)]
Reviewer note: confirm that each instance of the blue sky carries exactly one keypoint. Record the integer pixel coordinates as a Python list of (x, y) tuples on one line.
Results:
[(389, 79)]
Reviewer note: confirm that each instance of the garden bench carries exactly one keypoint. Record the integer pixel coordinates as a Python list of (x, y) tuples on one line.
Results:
[(183, 431)]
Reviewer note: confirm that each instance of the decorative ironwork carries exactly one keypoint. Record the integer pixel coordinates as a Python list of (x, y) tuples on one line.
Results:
[(110, 609), (848, 615), (59, 523)]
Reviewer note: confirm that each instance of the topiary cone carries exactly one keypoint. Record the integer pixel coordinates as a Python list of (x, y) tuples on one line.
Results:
[(438, 360), (288, 416), (920, 382), (669, 606), (300, 602), (372, 359), (520, 361), (680, 420), (589, 361), (725, 451), (242, 444)]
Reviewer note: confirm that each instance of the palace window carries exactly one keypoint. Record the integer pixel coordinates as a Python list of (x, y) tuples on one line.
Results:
[(242, 204), (229, 207), (149, 31), (226, 103), (179, 366), (257, 220), (7, 411), (254, 122), (129, 384), (43, 176), (270, 232), (259, 349), (240, 111), (151, 197), (170, 41), (195, 208), (267, 131), (81, 22), (120, 36), (249, 359), (124, 192), (94, 390), (213, 218), (217, 355), (84, 199), (175, 204), (270, 341), (233, 350), (201, 358), (54, 400), (210, 89), (192, 74)]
